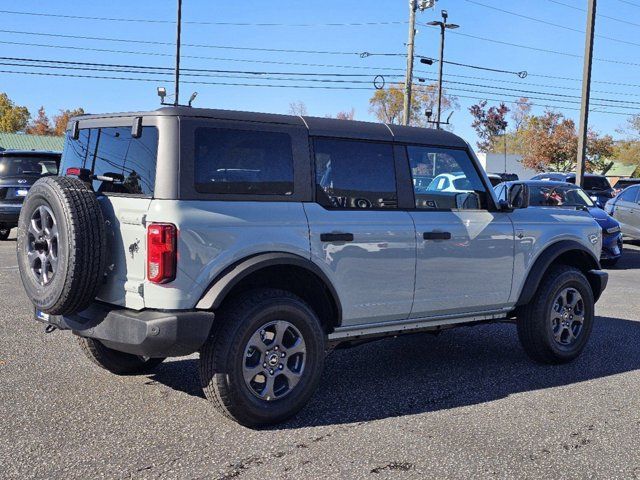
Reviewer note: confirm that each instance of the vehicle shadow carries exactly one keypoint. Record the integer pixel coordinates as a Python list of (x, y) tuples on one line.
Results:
[(422, 373), (630, 259)]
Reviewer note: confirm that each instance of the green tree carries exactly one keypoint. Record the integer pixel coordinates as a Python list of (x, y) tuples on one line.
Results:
[(13, 118)]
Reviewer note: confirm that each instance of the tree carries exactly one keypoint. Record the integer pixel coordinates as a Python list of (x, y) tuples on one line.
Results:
[(346, 115), (489, 124), (599, 152), (521, 110), (13, 118), (387, 104), (40, 125), (60, 121), (297, 108)]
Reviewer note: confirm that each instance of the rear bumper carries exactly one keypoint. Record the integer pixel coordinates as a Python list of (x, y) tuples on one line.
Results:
[(611, 247), (149, 333), (9, 213)]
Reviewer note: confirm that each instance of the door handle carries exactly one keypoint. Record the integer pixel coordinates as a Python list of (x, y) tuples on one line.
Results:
[(436, 235), (336, 237)]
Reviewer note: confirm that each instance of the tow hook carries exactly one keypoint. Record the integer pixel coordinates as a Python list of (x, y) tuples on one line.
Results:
[(50, 328)]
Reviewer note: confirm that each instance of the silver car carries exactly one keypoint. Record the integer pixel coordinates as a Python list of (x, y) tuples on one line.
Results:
[(625, 208)]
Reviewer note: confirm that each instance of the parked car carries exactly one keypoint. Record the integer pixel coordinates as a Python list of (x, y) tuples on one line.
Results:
[(560, 194), (325, 242), (625, 208), (495, 179), (18, 172), (624, 183), (597, 186)]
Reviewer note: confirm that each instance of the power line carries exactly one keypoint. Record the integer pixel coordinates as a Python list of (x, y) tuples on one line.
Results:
[(556, 25), (599, 14), (200, 45), (199, 57), (629, 3), (233, 24)]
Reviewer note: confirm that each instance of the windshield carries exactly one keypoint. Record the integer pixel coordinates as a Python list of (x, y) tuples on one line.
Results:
[(558, 196), (15, 166)]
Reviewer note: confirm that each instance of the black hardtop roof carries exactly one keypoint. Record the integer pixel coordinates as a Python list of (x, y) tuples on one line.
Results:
[(29, 153), (317, 126)]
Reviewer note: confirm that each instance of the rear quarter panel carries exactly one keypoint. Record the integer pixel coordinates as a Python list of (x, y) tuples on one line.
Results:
[(215, 234), (541, 227)]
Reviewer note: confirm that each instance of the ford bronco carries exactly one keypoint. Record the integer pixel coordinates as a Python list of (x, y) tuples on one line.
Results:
[(262, 241)]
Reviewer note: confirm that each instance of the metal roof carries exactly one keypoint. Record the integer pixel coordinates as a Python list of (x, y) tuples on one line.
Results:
[(317, 126), (24, 141)]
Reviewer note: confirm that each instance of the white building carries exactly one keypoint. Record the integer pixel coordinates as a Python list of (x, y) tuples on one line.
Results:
[(496, 163)]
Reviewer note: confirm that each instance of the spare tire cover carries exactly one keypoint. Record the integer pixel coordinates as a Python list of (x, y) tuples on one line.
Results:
[(61, 245)]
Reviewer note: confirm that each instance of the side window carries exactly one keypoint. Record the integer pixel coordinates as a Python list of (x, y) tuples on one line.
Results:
[(124, 164), (243, 162), (355, 174), (445, 179), (501, 192), (630, 194)]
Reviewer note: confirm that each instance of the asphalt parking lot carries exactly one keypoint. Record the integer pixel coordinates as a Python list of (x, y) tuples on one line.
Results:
[(467, 403)]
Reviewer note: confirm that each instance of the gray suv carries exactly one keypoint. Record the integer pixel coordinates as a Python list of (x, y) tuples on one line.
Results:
[(262, 241)]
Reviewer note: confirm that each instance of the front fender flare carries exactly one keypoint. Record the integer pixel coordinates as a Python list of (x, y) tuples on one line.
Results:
[(586, 261)]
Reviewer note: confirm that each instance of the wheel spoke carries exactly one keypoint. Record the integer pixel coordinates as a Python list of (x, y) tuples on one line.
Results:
[(32, 256), (558, 334), (249, 373), (53, 261), (563, 297), (298, 347), (44, 270), (575, 298), (268, 393), (256, 342), (578, 319), (280, 328), (33, 228)]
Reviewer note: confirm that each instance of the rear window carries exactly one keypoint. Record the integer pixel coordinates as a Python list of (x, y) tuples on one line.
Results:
[(243, 162), (596, 183), (125, 165), (28, 165)]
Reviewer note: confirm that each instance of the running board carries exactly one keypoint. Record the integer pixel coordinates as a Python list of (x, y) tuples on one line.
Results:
[(414, 324)]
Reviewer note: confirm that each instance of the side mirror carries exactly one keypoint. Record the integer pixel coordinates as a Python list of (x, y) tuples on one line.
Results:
[(467, 201), (517, 196)]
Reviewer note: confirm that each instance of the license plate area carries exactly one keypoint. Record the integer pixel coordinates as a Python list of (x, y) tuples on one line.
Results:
[(40, 316)]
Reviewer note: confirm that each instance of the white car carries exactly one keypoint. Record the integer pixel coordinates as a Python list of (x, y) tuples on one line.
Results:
[(450, 182)]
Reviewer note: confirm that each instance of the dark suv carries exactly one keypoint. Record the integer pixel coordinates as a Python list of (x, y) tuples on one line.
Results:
[(18, 172), (597, 186)]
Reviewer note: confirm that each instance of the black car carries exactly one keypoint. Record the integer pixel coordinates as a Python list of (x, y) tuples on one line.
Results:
[(597, 186), (18, 172), (624, 183)]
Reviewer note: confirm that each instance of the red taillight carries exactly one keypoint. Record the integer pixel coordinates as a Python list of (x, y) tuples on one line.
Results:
[(73, 171), (161, 252)]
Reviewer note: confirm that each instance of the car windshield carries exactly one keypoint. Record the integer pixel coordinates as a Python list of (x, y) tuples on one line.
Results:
[(558, 196), (15, 166), (596, 183)]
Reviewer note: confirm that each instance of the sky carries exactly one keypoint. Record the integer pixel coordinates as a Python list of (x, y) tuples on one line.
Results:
[(551, 30)]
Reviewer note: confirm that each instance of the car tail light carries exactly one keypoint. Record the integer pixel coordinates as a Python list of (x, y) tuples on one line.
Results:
[(161, 252)]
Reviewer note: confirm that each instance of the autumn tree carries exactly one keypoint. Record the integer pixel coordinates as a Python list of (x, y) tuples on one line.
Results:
[(13, 118), (387, 104), (346, 115), (61, 120), (40, 125), (520, 112), (489, 123)]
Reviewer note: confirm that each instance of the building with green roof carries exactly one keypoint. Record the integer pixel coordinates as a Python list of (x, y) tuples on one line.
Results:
[(24, 141)]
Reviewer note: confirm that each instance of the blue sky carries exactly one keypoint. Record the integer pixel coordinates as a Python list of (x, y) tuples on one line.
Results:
[(474, 17)]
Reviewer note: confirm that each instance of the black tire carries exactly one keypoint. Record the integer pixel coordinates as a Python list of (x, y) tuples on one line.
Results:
[(4, 232), (222, 357), (116, 362), (535, 328), (80, 245)]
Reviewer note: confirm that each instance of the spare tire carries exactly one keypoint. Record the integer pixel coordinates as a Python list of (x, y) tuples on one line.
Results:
[(61, 245)]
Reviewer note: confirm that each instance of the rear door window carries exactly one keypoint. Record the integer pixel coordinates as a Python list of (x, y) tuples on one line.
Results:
[(115, 161), (630, 194), (243, 162), (355, 174)]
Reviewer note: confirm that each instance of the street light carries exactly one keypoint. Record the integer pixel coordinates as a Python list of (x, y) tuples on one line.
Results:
[(443, 26)]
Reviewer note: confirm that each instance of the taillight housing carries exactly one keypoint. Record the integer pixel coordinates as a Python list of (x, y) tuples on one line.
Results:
[(161, 252)]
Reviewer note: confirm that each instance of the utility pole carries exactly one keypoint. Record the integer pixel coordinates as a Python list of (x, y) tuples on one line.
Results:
[(586, 92), (443, 26), (413, 6), (177, 80)]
